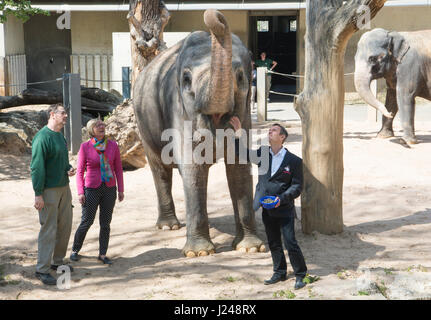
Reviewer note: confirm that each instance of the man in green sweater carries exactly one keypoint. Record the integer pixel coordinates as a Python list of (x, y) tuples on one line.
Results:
[(50, 172)]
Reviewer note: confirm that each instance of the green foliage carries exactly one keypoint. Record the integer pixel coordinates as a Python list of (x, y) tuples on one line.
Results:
[(21, 9), (284, 294), (363, 293), (6, 280), (388, 271), (310, 279), (231, 279), (107, 117), (341, 275)]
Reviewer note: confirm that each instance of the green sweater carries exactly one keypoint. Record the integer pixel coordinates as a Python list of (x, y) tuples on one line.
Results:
[(49, 161)]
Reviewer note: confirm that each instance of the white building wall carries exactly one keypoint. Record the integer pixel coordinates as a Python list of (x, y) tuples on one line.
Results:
[(122, 57)]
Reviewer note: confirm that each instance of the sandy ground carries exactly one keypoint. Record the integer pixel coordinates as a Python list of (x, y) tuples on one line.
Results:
[(384, 251)]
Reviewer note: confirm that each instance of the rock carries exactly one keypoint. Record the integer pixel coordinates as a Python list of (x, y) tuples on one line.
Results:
[(410, 285), (121, 127), (18, 129), (13, 140)]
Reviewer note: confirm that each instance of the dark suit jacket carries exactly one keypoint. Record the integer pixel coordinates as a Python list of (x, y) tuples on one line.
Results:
[(286, 183)]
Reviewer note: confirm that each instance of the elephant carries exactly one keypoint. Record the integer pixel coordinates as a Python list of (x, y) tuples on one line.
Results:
[(404, 60), (204, 80)]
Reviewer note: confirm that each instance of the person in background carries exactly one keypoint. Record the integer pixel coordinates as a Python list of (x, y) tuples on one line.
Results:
[(50, 172), (100, 160), (270, 65)]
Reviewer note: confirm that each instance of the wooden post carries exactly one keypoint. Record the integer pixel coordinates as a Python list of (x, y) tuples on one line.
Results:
[(372, 112), (3, 77), (72, 104), (125, 72), (261, 94)]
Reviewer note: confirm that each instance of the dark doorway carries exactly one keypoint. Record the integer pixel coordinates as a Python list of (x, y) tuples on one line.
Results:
[(47, 50), (276, 35)]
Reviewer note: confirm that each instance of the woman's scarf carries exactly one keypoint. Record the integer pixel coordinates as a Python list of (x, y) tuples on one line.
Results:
[(105, 168)]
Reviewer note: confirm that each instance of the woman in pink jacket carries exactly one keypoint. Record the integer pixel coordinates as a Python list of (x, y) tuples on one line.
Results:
[(100, 159)]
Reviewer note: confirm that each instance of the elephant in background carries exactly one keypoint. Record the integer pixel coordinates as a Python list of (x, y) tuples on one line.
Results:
[(404, 60), (204, 79)]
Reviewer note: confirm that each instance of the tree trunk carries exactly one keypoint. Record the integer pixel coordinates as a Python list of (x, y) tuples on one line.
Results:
[(147, 19), (330, 24)]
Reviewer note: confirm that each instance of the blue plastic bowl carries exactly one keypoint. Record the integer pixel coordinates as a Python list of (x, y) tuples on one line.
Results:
[(269, 205)]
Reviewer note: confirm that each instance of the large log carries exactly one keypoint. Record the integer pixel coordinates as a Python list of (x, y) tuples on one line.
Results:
[(36, 96), (100, 95)]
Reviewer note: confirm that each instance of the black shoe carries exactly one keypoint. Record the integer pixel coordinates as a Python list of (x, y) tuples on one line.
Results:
[(74, 256), (55, 267), (105, 260), (275, 278), (299, 283), (46, 278)]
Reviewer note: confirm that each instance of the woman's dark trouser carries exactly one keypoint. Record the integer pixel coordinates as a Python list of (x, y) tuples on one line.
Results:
[(274, 228), (103, 197)]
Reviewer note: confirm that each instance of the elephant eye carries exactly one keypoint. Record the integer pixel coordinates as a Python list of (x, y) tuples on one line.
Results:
[(240, 76)]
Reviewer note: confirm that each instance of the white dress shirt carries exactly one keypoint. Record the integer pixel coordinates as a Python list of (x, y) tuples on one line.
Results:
[(277, 159)]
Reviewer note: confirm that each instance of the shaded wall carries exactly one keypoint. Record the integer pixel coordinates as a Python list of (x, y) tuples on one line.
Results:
[(47, 50), (189, 21)]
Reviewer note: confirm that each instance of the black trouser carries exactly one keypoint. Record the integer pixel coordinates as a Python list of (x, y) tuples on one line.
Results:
[(103, 197), (274, 228)]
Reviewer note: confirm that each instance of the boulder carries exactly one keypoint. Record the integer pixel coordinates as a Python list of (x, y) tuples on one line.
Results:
[(13, 140), (17, 130), (121, 127)]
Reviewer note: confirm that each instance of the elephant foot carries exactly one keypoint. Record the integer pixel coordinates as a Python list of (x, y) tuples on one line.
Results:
[(385, 134), (410, 140), (249, 243), (168, 223), (198, 247)]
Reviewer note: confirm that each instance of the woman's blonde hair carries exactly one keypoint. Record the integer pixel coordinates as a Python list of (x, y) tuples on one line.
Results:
[(91, 124)]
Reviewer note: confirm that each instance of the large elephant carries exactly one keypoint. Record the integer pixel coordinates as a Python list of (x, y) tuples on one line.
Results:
[(404, 60), (204, 79)]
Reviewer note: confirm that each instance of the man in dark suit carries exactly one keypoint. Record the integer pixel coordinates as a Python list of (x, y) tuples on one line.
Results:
[(283, 179)]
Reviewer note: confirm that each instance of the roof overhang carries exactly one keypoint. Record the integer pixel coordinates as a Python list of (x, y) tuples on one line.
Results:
[(219, 6)]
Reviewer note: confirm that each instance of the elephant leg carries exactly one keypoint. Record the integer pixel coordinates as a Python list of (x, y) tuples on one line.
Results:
[(240, 182), (406, 105), (195, 180), (163, 182), (391, 104)]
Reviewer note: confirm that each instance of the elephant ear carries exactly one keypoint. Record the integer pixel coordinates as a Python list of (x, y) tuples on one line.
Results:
[(398, 46)]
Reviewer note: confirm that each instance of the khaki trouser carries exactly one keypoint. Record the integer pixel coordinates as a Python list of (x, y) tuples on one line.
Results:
[(268, 85), (55, 226)]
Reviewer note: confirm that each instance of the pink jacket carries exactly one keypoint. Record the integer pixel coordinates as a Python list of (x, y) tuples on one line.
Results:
[(89, 160)]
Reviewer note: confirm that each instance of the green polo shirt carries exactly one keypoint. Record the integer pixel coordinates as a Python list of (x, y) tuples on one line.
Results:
[(264, 63), (49, 160)]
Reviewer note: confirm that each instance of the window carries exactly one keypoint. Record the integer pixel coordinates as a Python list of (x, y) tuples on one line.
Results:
[(263, 26), (292, 25)]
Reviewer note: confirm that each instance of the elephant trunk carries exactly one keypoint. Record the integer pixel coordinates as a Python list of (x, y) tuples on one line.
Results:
[(362, 83), (221, 95)]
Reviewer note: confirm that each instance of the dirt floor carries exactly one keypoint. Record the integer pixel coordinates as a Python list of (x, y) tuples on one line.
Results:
[(383, 253)]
